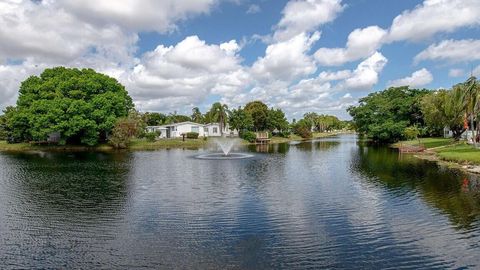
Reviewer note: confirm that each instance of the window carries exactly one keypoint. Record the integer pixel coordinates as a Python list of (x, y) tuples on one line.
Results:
[(215, 130), (195, 129), (205, 129)]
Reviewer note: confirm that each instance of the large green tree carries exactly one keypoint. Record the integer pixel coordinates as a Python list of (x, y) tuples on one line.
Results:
[(259, 113), (276, 120), (80, 105), (240, 120), (444, 108), (154, 118), (383, 116)]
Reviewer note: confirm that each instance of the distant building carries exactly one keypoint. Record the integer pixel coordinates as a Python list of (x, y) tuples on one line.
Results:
[(176, 130)]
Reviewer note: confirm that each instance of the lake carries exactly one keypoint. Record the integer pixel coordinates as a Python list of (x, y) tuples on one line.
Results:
[(327, 203)]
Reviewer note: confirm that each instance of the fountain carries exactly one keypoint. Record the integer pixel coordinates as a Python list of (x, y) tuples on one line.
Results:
[(226, 145)]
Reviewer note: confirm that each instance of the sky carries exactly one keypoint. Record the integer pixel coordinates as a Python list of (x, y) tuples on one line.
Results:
[(297, 55)]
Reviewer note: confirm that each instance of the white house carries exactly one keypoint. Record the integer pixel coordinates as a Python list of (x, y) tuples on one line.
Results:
[(176, 130)]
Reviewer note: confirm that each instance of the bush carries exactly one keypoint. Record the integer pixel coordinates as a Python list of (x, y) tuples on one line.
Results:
[(192, 135), (284, 134), (151, 136), (249, 136), (303, 132), (124, 130), (411, 133), (303, 129)]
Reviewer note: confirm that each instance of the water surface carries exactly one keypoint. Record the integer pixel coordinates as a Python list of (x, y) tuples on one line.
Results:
[(332, 202)]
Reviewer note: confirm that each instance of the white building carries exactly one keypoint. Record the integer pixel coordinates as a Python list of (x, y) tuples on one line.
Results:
[(176, 130)]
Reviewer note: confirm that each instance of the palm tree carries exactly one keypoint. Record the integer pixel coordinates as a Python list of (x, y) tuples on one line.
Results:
[(471, 102), (219, 113), (197, 116)]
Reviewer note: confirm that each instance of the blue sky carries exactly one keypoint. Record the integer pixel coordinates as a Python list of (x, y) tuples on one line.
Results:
[(298, 55)]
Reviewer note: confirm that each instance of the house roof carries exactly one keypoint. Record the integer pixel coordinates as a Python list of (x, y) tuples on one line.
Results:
[(183, 123)]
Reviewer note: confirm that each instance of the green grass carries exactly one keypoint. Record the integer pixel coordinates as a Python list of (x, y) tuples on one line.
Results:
[(19, 147), (428, 142), (142, 144), (461, 153)]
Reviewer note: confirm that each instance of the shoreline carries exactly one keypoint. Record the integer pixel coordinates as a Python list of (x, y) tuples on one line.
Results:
[(142, 145), (457, 159)]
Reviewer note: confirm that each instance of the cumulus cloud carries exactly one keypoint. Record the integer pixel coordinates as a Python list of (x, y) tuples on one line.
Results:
[(186, 73), (418, 78), (286, 60), (301, 16), (365, 76), (138, 15), (49, 34), (361, 43), (420, 23), (451, 50), (434, 16)]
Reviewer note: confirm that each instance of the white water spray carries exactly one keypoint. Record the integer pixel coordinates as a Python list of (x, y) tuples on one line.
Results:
[(226, 144)]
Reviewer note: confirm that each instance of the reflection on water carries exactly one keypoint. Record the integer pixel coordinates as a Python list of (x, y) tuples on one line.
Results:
[(325, 203), (449, 190)]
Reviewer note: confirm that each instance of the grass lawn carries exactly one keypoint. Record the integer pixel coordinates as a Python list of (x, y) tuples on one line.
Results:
[(141, 144), (462, 153), (428, 142)]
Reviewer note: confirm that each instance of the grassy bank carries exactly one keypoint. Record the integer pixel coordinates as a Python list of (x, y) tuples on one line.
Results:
[(427, 142), (140, 144), (448, 150)]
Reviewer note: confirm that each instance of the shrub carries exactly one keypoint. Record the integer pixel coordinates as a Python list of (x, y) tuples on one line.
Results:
[(284, 134), (192, 135), (411, 132), (249, 136), (303, 129), (151, 136), (124, 130)]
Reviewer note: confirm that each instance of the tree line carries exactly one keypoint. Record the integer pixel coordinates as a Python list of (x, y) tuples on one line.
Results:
[(399, 113), (80, 106)]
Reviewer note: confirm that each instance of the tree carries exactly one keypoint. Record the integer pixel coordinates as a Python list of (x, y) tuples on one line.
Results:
[(125, 129), (219, 113), (154, 118), (197, 116), (303, 128), (81, 105), (259, 113), (471, 91), (383, 116), (177, 118), (276, 120), (240, 120), (444, 108), (3, 127)]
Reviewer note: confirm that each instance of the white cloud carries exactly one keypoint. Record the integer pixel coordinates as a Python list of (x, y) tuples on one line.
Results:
[(456, 72), (418, 78), (365, 76), (253, 9), (422, 22), (138, 15), (451, 50), (51, 35), (361, 43), (301, 16), (286, 60), (434, 16), (186, 73)]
